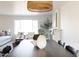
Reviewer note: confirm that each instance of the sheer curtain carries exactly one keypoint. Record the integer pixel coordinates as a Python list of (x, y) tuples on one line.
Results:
[(26, 26)]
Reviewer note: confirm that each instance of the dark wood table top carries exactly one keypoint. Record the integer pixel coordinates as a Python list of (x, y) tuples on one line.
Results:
[(52, 49)]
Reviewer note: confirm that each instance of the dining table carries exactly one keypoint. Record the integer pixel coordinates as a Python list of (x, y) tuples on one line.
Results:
[(27, 49)]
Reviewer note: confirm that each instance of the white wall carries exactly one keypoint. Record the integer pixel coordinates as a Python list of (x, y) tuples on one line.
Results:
[(70, 23)]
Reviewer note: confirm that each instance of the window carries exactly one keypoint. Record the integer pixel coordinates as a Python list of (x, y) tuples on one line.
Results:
[(26, 26)]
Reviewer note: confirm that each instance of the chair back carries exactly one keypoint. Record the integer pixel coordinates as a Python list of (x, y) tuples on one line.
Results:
[(71, 49)]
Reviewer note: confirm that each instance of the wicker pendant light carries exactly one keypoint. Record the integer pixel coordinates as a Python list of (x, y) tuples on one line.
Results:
[(39, 6)]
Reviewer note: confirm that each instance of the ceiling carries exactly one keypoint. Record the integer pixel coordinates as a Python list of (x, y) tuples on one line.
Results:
[(19, 8), (59, 4)]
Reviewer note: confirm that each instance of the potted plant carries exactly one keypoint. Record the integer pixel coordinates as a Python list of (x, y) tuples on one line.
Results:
[(45, 28)]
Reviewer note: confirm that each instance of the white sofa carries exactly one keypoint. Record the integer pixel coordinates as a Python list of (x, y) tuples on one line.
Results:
[(5, 41)]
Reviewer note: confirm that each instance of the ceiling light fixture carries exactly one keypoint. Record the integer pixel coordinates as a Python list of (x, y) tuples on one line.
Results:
[(39, 6)]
